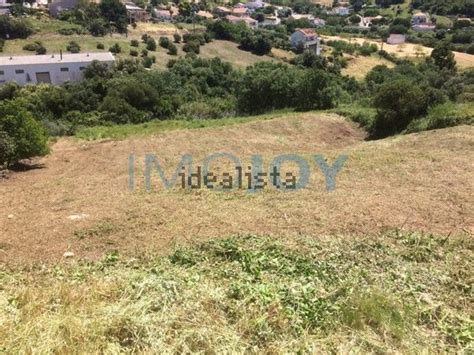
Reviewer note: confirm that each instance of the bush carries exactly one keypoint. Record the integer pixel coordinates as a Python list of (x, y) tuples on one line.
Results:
[(147, 62), (32, 47), (172, 49), (15, 27), (73, 47), (133, 53), (204, 110), (21, 136), (41, 50), (98, 28), (398, 103), (100, 46), (177, 38), (115, 48), (443, 116), (144, 53), (191, 47), (164, 42), (35, 47), (151, 44), (134, 43)]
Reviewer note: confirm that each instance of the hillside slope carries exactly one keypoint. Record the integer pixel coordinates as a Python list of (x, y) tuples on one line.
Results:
[(78, 200)]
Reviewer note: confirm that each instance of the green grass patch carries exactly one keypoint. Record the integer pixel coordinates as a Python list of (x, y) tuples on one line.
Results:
[(250, 294), (443, 116), (157, 126), (362, 115)]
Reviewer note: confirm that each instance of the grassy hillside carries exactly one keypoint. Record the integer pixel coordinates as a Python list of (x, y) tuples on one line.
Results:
[(54, 42), (395, 292)]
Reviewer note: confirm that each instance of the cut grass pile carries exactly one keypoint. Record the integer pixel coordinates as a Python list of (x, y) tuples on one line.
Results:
[(394, 292)]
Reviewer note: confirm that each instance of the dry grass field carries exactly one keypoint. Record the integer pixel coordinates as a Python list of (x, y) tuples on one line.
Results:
[(401, 181), (360, 66), (380, 265), (409, 50)]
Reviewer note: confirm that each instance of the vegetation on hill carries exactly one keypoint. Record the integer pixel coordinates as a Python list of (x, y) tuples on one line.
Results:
[(396, 292), (442, 7)]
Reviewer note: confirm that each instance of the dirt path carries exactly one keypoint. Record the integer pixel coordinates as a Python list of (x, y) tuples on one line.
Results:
[(419, 182)]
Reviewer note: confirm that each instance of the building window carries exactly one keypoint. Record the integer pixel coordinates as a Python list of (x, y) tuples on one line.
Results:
[(19, 71), (2, 72), (82, 68), (64, 69)]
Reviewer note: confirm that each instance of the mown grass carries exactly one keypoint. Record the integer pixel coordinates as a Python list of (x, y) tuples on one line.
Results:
[(157, 126), (396, 292)]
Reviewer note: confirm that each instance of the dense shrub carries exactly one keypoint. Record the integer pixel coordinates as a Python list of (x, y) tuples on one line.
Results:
[(172, 49), (442, 116), (73, 47), (134, 43), (398, 103), (115, 48), (133, 53), (98, 27), (151, 44), (21, 136), (164, 42), (100, 46), (15, 27), (177, 38), (192, 46)]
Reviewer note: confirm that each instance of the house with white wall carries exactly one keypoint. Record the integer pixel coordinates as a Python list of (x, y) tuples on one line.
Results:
[(53, 69), (308, 38)]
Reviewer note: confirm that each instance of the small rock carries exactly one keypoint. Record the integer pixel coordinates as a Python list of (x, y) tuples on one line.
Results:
[(75, 217), (68, 254), (10, 216)]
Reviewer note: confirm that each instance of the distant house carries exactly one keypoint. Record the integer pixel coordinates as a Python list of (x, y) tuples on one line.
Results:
[(396, 39), (222, 11), (205, 14), (319, 22), (250, 22), (308, 38), (254, 5), (310, 18), (53, 69), (420, 18), (165, 15), (58, 6), (240, 11), (341, 11), (366, 22), (135, 13), (421, 23), (270, 21), (5, 7)]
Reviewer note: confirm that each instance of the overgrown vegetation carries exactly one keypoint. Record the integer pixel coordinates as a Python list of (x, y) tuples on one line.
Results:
[(396, 292)]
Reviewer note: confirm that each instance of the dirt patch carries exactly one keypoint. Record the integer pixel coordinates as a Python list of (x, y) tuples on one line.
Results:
[(421, 181)]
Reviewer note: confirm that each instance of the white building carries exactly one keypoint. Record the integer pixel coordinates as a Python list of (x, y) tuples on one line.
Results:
[(53, 69), (341, 11), (396, 39), (307, 38)]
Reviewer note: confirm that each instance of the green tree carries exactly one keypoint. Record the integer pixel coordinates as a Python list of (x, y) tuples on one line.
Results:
[(21, 136), (114, 12), (398, 103), (443, 57)]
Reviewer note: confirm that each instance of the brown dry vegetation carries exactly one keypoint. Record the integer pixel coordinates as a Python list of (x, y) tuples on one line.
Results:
[(418, 182), (409, 50)]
